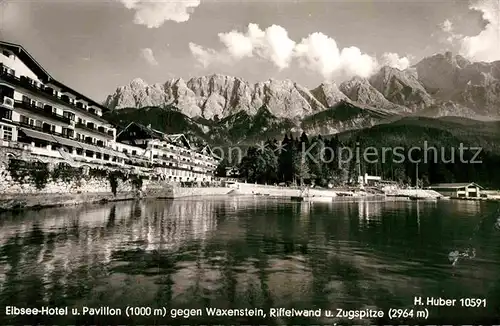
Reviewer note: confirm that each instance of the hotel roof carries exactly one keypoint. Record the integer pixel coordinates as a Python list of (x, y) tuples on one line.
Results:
[(157, 134), (37, 68), (453, 185)]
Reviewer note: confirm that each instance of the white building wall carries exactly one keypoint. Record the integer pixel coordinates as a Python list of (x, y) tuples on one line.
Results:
[(21, 69), (15, 63)]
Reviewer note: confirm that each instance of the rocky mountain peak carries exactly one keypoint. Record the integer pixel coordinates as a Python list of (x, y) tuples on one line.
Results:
[(401, 87), (138, 82), (473, 85), (439, 73), (434, 81), (329, 94), (220, 96), (361, 91)]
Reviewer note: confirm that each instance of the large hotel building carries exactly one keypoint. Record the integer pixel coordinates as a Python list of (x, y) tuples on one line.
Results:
[(53, 121)]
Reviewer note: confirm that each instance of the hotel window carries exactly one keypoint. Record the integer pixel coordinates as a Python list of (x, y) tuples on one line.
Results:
[(8, 70), (69, 115), (7, 114), (68, 132), (26, 99), (7, 133), (25, 120)]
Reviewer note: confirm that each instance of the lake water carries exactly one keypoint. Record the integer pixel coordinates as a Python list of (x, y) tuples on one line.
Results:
[(251, 252)]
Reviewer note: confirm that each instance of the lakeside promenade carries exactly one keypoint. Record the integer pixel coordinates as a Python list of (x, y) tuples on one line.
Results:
[(155, 189)]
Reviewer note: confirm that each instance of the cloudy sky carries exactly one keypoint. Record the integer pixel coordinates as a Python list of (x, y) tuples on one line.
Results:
[(95, 46)]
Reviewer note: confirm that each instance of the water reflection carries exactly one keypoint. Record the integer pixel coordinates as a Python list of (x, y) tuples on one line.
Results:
[(246, 252), (369, 209)]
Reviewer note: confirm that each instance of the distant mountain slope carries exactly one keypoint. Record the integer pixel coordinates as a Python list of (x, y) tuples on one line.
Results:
[(243, 128), (344, 116), (168, 120), (445, 132)]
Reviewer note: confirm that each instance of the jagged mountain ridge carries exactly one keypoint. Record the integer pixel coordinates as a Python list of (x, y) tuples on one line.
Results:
[(219, 96), (435, 81), (222, 106)]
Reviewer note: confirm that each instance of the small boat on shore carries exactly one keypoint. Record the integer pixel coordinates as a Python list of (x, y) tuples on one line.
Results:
[(422, 198), (313, 199)]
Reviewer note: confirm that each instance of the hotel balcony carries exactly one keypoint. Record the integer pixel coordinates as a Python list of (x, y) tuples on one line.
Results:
[(7, 102), (46, 111), (47, 92), (42, 129), (100, 130)]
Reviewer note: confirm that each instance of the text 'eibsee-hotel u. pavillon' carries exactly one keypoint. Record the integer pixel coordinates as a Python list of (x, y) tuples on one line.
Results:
[(52, 121)]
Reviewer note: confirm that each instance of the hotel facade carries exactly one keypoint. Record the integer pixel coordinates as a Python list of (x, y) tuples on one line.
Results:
[(173, 156), (52, 121)]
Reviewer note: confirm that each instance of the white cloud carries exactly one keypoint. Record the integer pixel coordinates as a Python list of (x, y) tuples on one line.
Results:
[(272, 44), (394, 60), (447, 26), (153, 13), (319, 53), (206, 56), (484, 46), (147, 54), (316, 52), (278, 47)]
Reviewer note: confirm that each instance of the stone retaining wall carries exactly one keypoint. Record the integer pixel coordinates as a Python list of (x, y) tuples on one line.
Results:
[(22, 192), (191, 192), (276, 191)]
